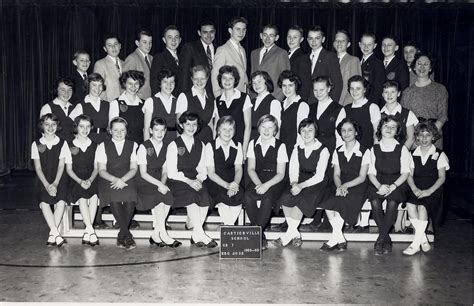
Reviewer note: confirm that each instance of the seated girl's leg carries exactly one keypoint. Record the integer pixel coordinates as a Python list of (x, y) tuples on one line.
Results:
[(59, 212), (335, 228), (377, 212), (234, 212), (198, 234), (93, 202), (391, 211), (203, 213), (129, 210), (423, 223), (86, 219), (251, 209), (414, 247), (119, 214), (265, 212), (49, 217), (155, 212)]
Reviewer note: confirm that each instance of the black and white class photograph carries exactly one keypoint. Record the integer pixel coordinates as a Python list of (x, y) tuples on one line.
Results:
[(249, 152)]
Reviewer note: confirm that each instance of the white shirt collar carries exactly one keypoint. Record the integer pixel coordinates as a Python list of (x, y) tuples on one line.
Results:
[(211, 46), (90, 99), (196, 93), (162, 98), (235, 95), (141, 52), (397, 109), (355, 150), (259, 99), (82, 145), (56, 101), (113, 59), (263, 48), (220, 144), (388, 146), (136, 101), (431, 151), (118, 142), (340, 56), (272, 142), (173, 52), (389, 59), (296, 99), (367, 57), (316, 145), (52, 142), (359, 103), (327, 102), (81, 73), (235, 44)]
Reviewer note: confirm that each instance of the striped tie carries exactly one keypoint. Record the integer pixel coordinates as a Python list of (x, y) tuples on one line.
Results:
[(209, 56)]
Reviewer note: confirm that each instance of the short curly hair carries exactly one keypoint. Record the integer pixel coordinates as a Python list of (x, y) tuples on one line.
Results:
[(386, 119), (427, 126), (354, 123), (231, 70), (291, 76)]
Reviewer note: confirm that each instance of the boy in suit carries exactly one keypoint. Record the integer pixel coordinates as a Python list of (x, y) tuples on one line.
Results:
[(395, 68), (167, 59), (372, 68), (199, 52), (82, 61), (110, 68), (270, 57), (233, 54), (323, 63), (141, 60), (350, 65), (299, 61)]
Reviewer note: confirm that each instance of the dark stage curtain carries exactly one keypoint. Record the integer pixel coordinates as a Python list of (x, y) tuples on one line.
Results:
[(39, 38)]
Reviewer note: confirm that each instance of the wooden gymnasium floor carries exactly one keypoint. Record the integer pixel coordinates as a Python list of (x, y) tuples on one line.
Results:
[(31, 271)]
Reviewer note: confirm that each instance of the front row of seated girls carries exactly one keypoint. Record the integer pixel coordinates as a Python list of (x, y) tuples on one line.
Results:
[(189, 174)]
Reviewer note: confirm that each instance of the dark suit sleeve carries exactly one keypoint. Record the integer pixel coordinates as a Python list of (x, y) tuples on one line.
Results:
[(379, 78), (336, 76), (156, 67), (303, 70), (186, 63), (404, 74)]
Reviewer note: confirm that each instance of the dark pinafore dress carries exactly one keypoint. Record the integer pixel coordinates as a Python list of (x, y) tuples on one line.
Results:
[(266, 167), (148, 194), (309, 198), (361, 115), (134, 116), (118, 166), (235, 110), (160, 111), (388, 171), (326, 123), (49, 159), (424, 177), (349, 206), (288, 129), (263, 109), (206, 115), (183, 194), (67, 125), (100, 119), (225, 169), (83, 166)]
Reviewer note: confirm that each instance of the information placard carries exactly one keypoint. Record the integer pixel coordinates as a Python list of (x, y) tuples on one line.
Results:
[(241, 242)]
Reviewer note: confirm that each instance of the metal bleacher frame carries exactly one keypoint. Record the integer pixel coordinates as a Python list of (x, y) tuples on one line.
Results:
[(68, 229)]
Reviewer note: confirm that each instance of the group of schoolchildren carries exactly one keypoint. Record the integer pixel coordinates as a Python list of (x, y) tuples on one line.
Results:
[(238, 150)]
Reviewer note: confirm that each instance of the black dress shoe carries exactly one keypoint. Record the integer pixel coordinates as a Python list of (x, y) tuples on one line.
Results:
[(309, 228), (387, 247), (326, 248), (121, 243), (342, 246), (211, 244), (198, 244), (51, 243), (278, 243), (130, 244), (378, 247), (153, 242), (264, 244), (173, 245), (296, 242)]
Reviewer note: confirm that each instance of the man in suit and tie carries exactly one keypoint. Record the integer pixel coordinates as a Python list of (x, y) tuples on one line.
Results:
[(350, 65), (167, 59), (395, 68), (110, 68), (299, 61), (372, 68), (323, 63), (82, 61), (270, 58), (199, 52), (233, 54), (141, 60)]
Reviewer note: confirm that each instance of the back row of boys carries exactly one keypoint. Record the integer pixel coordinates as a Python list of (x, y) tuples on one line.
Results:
[(270, 58)]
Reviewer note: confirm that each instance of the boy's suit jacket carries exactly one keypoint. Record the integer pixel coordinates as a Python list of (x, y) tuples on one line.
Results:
[(108, 70), (374, 72), (328, 65), (274, 62), (193, 54), (350, 66), (397, 70), (136, 61), (164, 60), (301, 65), (79, 91), (228, 55)]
